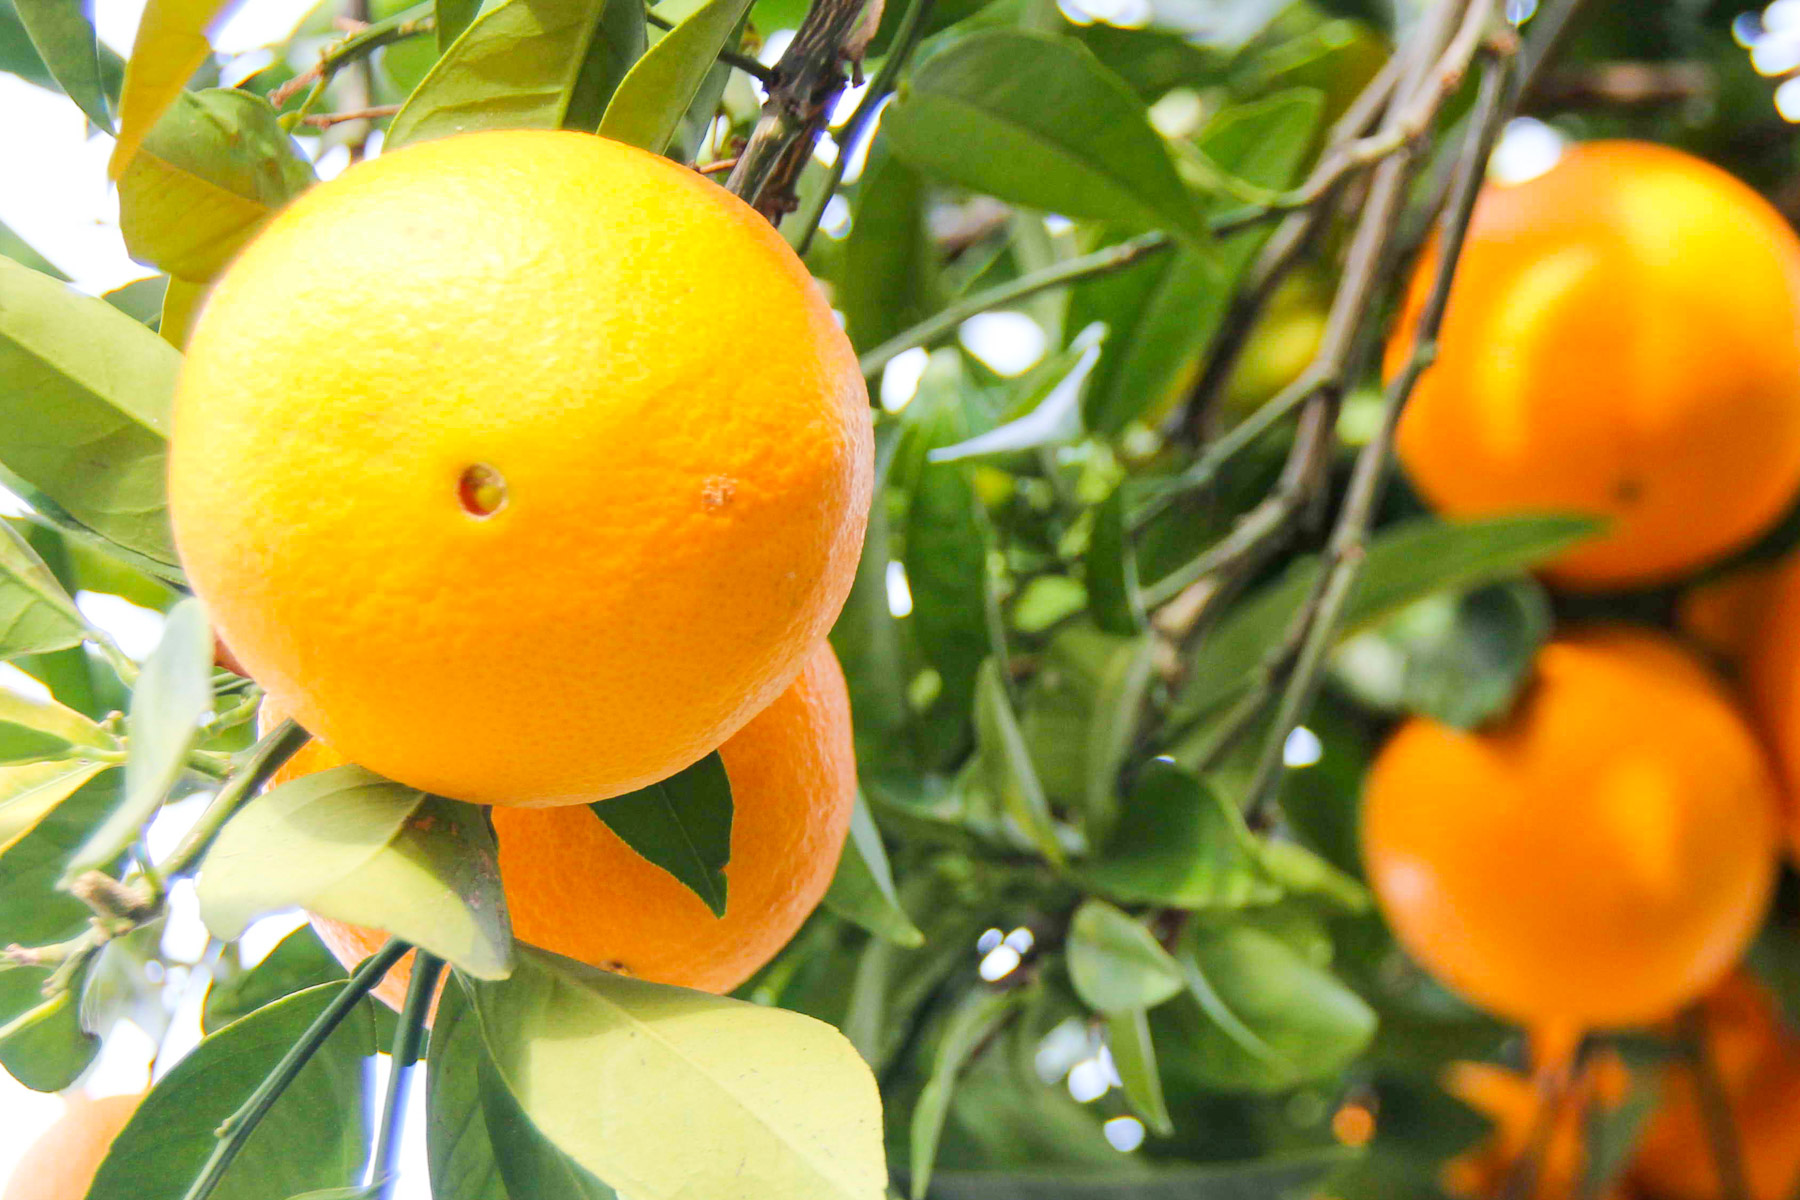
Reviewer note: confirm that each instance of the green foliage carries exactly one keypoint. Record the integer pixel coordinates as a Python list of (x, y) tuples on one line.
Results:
[(681, 824)]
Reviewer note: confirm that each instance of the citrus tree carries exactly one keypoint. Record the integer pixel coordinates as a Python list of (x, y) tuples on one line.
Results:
[(977, 599)]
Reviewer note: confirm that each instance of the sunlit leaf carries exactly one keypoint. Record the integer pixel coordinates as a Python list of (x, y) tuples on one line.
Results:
[(171, 44), (84, 414), (667, 1093), (654, 96), (526, 64), (172, 697), (40, 729), (30, 792), (43, 834), (1007, 762), (528, 1162), (208, 175), (456, 1137), (350, 845)]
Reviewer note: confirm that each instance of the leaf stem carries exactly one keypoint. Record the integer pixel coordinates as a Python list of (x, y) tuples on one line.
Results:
[(940, 325), (241, 1124), (906, 40), (408, 22), (1715, 1107), (266, 757), (409, 1036)]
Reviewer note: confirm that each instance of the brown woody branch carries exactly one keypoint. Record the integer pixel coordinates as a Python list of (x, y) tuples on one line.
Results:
[(803, 86)]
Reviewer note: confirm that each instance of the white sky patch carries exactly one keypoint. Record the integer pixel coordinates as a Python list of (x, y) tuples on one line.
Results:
[(1010, 343), (170, 825), (265, 933), (1527, 148), (136, 629), (899, 591), (1302, 748), (20, 684), (900, 378), (1124, 1134)]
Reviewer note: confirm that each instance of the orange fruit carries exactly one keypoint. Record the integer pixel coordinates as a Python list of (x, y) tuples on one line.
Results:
[(1594, 860), (1511, 1101), (1758, 1061), (61, 1164), (574, 887), (1621, 340), (522, 467), (1771, 671), (1726, 614)]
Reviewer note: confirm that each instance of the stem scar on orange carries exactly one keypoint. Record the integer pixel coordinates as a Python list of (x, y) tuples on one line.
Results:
[(574, 887), (1595, 860), (1623, 339), (522, 467)]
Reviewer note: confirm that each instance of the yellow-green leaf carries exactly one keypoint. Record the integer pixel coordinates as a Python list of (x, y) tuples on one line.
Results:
[(29, 792), (36, 614), (171, 44), (39, 729), (654, 95), (667, 1093), (209, 174)]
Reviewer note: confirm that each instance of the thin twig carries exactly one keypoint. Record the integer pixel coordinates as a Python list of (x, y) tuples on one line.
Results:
[(372, 113), (1553, 1088), (943, 324), (1317, 625), (420, 18), (906, 40), (241, 1124), (409, 1036), (804, 86)]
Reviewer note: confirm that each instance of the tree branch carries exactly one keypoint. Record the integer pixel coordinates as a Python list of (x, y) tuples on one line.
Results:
[(805, 84)]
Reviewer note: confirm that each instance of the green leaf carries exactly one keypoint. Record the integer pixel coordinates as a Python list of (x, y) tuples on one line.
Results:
[(1114, 596), (526, 64), (312, 1138), (350, 845), (1408, 562), (529, 1163), (862, 890), (866, 639), (1458, 659), (1163, 311), (171, 45), (298, 962), (209, 175), (976, 1017), (40, 729), (1007, 763), (32, 912), (946, 536), (11, 244), (1179, 844), (656, 92), (454, 16), (181, 306), (19, 57), (456, 1138), (1052, 410), (30, 792), (141, 299), (85, 412), (668, 1093), (1039, 121), (682, 824), (1272, 1018), (65, 40), (1300, 872), (1282, 1175), (1079, 718), (52, 1051), (1134, 1057), (172, 698), (1116, 964), (887, 279)]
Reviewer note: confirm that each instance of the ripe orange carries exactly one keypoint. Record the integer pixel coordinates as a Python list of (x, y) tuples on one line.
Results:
[(1758, 1061), (1725, 615), (1771, 669), (60, 1165), (572, 886), (1623, 339), (521, 467), (1512, 1100), (1595, 860)]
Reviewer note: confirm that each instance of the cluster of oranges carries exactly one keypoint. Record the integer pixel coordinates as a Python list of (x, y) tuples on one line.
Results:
[(1623, 339), (528, 468)]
